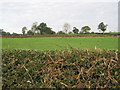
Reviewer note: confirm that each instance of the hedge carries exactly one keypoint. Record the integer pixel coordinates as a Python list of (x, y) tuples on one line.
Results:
[(73, 68), (65, 35)]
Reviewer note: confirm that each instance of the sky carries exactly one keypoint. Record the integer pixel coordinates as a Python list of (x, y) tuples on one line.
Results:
[(119, 16), (15, 14)]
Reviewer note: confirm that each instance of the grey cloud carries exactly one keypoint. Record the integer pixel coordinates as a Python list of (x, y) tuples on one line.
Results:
[(55, 14), (119, 16)]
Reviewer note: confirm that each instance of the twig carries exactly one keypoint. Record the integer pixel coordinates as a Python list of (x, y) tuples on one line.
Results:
[(50, 57), (80, 72), (92, 66), (109, 75), (64, 84), (28, 73)]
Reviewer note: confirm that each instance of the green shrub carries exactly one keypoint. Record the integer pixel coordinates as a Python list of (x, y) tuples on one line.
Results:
[(73, 68)]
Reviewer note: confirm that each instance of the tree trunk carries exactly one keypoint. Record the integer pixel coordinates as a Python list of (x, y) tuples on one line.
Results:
[(103, 32)]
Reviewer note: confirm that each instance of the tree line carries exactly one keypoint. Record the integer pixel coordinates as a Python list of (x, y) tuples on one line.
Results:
[(43, 29)]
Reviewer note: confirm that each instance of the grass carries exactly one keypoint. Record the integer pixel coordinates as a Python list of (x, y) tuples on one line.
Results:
[(60, 43)]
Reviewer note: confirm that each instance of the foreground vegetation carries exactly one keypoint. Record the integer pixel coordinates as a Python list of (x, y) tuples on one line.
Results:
[(73, 68), (60, 43)]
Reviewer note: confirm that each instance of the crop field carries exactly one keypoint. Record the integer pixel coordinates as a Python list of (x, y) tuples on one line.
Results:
[(59, 43)]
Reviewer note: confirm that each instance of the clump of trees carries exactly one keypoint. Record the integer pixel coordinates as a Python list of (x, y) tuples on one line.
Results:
[(41, 29), (44, 29), (4, 33), (60, 32), (30, 32)]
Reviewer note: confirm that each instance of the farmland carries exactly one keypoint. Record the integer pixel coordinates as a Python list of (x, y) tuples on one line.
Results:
[(60, 43), (60, 62)]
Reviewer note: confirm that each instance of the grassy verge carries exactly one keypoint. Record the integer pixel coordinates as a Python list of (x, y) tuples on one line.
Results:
[(74, 68)]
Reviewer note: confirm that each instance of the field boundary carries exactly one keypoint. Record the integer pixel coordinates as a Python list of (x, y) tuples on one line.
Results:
[(75, 68), (54, 36)]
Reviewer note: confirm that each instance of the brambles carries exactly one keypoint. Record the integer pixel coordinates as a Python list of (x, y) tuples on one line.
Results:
[(73, 68)]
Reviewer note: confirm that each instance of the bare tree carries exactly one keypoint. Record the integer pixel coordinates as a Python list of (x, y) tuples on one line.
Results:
[(34, 27), (66, 27)]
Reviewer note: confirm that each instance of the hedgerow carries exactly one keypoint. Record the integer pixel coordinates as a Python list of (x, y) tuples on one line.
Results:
[(73, 68), (65, 35)]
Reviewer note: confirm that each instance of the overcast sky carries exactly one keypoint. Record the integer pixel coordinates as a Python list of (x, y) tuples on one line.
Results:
[(14, 14)]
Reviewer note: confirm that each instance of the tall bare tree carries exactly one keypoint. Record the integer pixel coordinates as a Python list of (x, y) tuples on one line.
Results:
[(66, 27), (34, 27)]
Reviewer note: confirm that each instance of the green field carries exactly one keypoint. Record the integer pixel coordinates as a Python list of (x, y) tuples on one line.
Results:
[(60, 43)]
